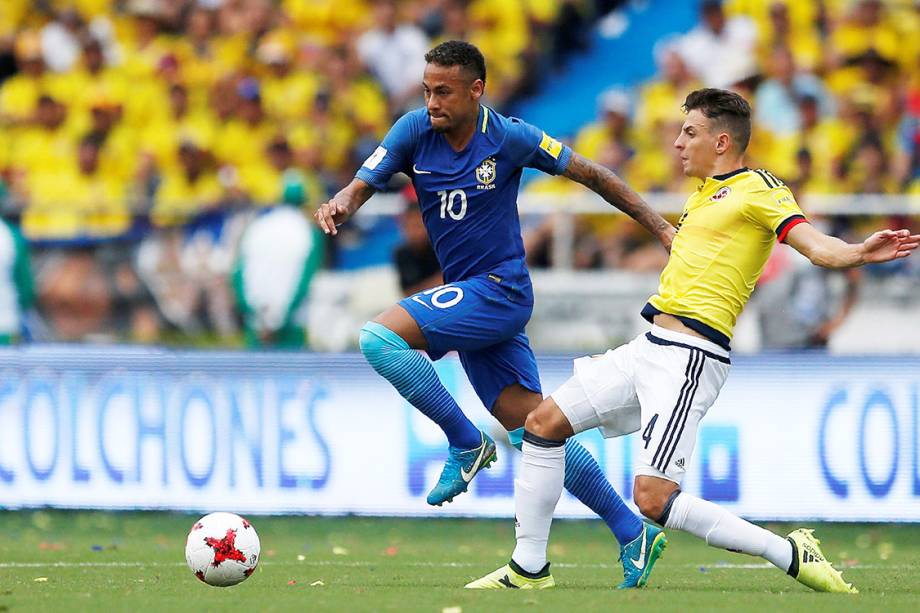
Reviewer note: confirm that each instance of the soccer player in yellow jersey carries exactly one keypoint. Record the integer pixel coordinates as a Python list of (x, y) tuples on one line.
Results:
[(663, 382)]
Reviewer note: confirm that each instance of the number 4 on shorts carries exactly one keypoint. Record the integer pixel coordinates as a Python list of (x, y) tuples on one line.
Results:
[(647, 433)]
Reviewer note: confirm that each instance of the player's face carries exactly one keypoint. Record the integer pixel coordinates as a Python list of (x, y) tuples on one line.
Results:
[(696, 145), (451, 98)]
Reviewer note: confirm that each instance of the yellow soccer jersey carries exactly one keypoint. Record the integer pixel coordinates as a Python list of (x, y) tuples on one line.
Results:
[(724, 238)]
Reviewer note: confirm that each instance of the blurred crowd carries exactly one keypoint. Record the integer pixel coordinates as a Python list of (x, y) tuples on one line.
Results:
[(179, 105), (139, 139), (152, 151), (835, 90)]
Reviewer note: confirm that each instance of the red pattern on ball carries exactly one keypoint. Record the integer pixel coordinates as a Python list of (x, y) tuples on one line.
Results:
[(225, 548)]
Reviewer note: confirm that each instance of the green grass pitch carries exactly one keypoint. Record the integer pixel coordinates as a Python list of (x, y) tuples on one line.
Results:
[(94, 561)]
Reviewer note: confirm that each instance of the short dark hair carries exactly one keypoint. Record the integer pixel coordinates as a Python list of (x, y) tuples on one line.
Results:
[(728, 110), (459, 53), (711, 6), (92, 139)]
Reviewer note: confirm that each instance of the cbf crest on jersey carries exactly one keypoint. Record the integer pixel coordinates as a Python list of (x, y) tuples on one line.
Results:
[(485, 174)]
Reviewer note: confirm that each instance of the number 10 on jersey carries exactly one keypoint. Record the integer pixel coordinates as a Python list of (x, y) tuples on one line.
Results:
[(449, 202)]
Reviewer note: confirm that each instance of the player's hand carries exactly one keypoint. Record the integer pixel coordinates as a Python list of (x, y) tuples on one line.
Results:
[(331, 214), (888, 245), (667, 237)]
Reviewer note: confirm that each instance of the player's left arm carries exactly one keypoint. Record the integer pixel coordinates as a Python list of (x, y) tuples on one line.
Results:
[(773, 207), (532, 147), (605, 183), (831, 252)]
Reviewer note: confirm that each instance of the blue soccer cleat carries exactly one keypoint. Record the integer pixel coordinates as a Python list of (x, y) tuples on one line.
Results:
[(640, 555), (462, 465)]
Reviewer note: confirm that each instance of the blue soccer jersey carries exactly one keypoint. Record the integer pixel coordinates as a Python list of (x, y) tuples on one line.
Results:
[(468, 198)]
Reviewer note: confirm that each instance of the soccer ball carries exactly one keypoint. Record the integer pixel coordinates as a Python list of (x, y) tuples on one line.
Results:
[(222, 549)]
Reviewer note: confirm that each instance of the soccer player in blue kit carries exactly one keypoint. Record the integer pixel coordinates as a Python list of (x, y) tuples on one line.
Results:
[(465, 161)]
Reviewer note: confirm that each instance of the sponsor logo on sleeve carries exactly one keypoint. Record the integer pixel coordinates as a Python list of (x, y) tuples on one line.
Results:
[(551, 145)]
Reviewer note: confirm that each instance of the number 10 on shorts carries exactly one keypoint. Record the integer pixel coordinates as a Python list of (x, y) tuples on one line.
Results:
[(441, 297)]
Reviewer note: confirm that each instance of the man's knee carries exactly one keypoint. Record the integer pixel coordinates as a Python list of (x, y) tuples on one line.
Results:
[(367, 340), (549, 422), (514, 404), (398, 321), (650, 503), (376, 340), (653, 497)]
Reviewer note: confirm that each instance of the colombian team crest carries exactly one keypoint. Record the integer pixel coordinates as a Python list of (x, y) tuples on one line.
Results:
[(485, 174), (721, 193)]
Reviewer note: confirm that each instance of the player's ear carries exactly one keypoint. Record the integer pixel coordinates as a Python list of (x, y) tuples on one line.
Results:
[(477, 89), (723, 142)]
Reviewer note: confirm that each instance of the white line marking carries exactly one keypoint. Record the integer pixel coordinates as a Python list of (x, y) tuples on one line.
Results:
[(394, 563), (85, 564)]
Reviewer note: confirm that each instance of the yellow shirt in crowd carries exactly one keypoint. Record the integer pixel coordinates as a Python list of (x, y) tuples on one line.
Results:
[(70, 204), (178, 198)]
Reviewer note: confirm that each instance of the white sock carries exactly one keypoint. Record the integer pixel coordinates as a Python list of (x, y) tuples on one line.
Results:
[(720, 528), (536, 492)]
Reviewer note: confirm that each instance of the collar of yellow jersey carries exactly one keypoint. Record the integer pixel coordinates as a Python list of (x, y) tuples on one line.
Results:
[(731, 174)]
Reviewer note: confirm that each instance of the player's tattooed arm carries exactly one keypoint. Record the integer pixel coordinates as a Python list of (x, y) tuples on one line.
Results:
[(605, 183), (343, 205)]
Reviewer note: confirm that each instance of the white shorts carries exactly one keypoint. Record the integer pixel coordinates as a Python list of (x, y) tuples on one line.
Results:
[(661, 383)]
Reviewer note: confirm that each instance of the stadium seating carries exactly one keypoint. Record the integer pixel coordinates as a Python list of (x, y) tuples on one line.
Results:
[(149, 132)]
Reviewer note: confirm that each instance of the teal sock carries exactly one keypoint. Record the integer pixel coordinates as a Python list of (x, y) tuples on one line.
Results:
[(413, 376)]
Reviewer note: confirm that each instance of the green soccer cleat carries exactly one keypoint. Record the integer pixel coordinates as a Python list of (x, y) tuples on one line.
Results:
[(811, 568), (462, 465), (513, 577), (640, 555)]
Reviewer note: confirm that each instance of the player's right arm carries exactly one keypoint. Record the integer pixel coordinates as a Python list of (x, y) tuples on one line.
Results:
[(392, 156), (343, 205)]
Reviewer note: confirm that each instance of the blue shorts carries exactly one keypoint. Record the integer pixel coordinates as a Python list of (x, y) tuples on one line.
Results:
[(482, 321)]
